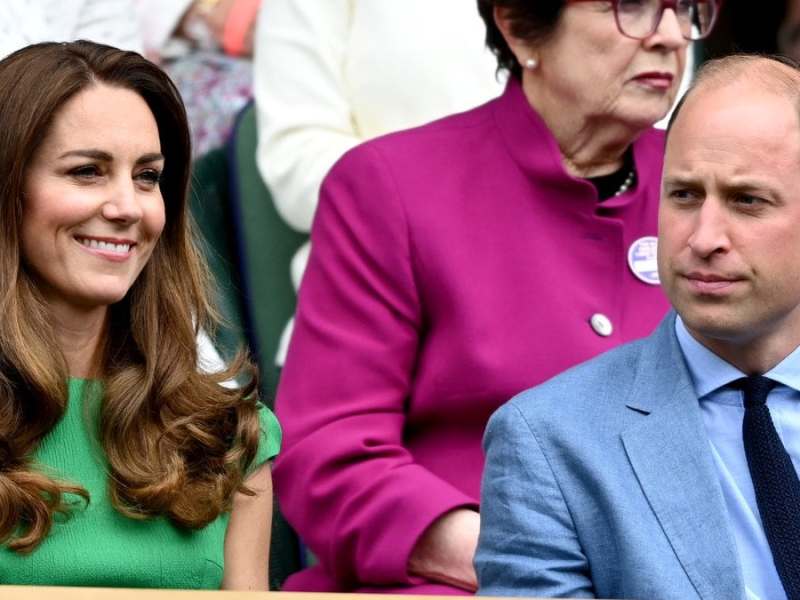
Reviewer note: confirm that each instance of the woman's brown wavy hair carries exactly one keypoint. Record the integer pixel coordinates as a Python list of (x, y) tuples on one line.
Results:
[(178, 443)]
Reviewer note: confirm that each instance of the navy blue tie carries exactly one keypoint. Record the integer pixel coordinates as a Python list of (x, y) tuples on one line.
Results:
[(774, 480)]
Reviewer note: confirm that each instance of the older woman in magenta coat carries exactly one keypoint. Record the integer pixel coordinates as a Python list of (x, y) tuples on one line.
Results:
[(456, 264)]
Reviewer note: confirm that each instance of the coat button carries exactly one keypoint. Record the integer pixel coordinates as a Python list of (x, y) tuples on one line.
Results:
[(601, 324)]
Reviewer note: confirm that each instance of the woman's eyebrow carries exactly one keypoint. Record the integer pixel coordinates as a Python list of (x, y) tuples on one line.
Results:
[(102, 155), (148, 158), (88, 153)]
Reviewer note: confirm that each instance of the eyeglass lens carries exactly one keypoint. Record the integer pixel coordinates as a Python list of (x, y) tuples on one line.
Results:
[(640, 18)]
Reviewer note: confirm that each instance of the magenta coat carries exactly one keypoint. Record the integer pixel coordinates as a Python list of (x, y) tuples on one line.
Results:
[(453, 265)]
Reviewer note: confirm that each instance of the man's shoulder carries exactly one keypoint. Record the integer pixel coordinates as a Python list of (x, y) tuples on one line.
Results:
[(594, 388)]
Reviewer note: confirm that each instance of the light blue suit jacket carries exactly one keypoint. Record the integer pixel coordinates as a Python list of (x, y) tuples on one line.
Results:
[(600, 482)]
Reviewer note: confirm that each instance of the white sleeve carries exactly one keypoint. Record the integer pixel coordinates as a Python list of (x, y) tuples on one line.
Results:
[(112, 22), (20, 24), (158, 20), (304, 116), (208, 358)]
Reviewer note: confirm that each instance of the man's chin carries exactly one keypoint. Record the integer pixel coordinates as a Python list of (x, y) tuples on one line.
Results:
[(715, 325)]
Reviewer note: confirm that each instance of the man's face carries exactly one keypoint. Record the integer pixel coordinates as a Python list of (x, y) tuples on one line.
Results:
[(729, 222)]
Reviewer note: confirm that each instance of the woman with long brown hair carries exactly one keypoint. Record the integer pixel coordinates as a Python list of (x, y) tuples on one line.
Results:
[(121, 462)]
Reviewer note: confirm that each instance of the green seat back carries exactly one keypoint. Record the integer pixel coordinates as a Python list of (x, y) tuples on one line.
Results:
[(208, 204), (267, 245)]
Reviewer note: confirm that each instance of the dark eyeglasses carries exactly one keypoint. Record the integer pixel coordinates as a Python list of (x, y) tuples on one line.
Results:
[(639, 19)]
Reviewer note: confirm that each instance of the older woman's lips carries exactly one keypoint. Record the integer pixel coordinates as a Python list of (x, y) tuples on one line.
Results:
[(656, 80)]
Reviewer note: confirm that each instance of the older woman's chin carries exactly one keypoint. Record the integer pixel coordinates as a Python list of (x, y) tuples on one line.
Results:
[(646, 115)]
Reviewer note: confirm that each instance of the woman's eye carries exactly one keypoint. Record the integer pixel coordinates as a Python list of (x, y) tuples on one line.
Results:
[(630, 5), (85, 172), (150, 177), (690, 6)]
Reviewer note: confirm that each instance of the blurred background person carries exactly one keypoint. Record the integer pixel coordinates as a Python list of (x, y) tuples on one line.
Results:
[(455, 264), (106, 418), (111, 22), (206, 46), (789, 31), (329, 75), (748, 27)]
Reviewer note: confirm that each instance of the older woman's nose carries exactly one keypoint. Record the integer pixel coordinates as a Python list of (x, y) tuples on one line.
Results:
[(669, 31)]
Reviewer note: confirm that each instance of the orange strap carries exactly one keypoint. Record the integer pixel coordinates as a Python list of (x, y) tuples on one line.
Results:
[(240, 18)]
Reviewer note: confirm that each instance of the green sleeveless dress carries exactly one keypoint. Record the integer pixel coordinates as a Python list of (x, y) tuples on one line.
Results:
[(97, 546)]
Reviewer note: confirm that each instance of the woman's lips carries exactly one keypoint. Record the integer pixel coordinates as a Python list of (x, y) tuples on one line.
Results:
[(113, 249), (656, 80)]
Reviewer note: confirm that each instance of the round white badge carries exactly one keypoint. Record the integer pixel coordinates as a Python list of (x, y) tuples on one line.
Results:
[(642, 259)]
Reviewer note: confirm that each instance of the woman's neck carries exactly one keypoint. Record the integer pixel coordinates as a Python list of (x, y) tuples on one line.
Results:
[(591, 146), (80, 333)]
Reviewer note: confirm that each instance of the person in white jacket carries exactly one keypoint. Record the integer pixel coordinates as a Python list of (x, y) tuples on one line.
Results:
[(206, 48), (111, 22), (329, 75)]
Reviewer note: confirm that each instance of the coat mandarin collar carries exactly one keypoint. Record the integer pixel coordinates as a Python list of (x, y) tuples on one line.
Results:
[(519, 123)]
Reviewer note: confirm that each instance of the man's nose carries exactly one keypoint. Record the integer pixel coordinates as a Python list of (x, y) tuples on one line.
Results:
[(710, 233)]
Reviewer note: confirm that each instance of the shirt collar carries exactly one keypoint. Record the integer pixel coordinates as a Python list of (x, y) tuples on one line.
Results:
[(710, 372)]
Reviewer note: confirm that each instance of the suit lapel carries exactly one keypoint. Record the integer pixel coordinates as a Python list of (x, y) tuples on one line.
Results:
[(670, 454)]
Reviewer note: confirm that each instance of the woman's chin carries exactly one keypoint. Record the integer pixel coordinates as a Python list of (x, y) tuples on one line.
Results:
[(645, 119), (97, 300)]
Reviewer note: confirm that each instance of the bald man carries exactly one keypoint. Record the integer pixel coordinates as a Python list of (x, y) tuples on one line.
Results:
[(668, 468)]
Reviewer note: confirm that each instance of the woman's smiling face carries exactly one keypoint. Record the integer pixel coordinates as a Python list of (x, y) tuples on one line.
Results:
[(93, 210)]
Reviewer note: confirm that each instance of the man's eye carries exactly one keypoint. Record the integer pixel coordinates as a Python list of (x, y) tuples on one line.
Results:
[(683, 195), (748, 200)]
